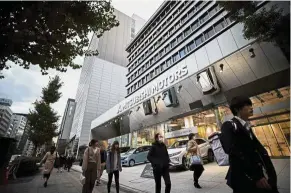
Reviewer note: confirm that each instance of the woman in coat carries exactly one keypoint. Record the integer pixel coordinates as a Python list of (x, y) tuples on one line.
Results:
[(91, 163), (113, 166), (193, 149), (49, 160)]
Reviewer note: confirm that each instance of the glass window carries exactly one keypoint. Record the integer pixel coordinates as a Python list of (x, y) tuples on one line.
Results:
[(139, 71), (180, 37), (195, 25), (167, 48), (191, 12), (209, 33), (212, 11), (182, 53), (152, 73), (219, 26), (157, 70), (161, 53), (163, 66), (204, 18), (143, 80), (173, 43), (151, 61), (175, 57), (135, 86), (199, 40), (139, 83), (169, 62), (171, 31), (177, 26), (200, 141), (183, 20), (228, 21), (187, 31), (128, 80), (148, 77), (191, 46)]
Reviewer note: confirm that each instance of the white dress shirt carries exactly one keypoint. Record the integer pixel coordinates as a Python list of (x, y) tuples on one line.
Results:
[(246, 124)]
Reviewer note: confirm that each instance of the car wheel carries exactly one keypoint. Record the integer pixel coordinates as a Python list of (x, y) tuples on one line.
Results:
[(131, 163), (185, 163), (210, 156)]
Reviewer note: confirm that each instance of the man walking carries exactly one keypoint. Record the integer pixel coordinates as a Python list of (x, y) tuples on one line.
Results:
[(251, 169), (159, 158)]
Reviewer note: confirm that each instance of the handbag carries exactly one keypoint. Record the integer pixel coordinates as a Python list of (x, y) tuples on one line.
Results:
[(196, 160)]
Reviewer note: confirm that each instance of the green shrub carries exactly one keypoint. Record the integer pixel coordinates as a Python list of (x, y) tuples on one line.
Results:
[(27, 165)]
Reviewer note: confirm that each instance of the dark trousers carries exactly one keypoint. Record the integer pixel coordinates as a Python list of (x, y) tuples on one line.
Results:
[(198, 170), (91, 176), (158, 174), (47, 176), (116, 178)]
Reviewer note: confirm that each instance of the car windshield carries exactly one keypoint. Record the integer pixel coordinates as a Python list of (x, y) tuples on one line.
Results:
[(178, 144), (130, 151)]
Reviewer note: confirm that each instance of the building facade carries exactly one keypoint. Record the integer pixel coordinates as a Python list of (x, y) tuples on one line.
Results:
[(185, 65), (102, 81), (66, 126), (5, 117)]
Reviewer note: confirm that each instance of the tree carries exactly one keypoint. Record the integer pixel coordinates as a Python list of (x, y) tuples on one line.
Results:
[(51, 33), (264, 25), (43, 120)]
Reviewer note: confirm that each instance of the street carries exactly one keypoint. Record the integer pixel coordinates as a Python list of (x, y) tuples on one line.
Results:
[(212, 180)]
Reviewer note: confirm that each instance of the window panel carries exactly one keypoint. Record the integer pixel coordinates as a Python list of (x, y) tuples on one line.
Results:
[(220, 26), (169, 62), (173, 43), (157, 70), (183, 20), (212, 11), (195, 25), (175, 57), (191, 46), (187, 31), (163, 66), (199, 40), (209, 33), (182, 53), (180, 37), (168, 47), (204, 18)]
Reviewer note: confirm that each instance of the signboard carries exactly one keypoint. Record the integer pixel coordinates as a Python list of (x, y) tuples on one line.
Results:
[(145, 93), (181, 132), (147, 172)]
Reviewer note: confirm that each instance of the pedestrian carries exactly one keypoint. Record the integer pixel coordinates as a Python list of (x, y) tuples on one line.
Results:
[(70, 161), (251, 169), (91, 162), (103, 154), (113, 166), (159, 158), (62, 162), (193, 150), (49, 160)]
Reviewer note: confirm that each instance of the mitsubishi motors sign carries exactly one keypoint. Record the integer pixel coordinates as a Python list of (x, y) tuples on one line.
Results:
[(181, 132)]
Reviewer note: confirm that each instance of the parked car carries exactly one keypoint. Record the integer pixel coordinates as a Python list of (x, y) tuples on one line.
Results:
[(124, 149), (178, 153), (135, 156)]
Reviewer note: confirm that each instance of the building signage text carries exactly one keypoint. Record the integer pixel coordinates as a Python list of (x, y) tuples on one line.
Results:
[(181, 132), (150, 91)]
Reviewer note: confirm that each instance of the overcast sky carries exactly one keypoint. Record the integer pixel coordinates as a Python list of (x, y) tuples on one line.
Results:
[(24, 86)]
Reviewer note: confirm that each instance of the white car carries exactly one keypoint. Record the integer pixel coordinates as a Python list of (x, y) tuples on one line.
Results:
[(178, 153)]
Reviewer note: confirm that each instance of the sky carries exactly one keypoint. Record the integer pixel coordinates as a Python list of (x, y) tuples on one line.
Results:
[(24, 86)]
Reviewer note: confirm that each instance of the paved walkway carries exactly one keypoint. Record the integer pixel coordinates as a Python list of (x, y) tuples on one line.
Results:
[(66, 182), (212, 180)]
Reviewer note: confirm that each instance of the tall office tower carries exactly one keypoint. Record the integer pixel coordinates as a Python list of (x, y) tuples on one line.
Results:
[(102, 81), (185, 65), (5, 116), (66, 125), (19, 122)]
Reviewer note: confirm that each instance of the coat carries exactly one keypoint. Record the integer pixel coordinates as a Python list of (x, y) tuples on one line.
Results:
[(110, 162), (192, 148), (247, 158), (158, 156), (89, 152), (49, 160)]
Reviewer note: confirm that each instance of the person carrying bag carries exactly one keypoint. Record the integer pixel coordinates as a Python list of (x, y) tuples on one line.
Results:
[(195, 159)]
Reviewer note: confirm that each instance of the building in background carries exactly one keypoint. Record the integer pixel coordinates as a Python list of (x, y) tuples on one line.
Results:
[(66, 126), (5, 117), (185, 65), (102, 80), (18, 123)]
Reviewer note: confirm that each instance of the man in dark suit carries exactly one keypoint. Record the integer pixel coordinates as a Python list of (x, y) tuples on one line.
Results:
[(251, 169)]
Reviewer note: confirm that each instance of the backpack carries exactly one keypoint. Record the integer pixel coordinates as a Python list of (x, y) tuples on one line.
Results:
[(221, 157)]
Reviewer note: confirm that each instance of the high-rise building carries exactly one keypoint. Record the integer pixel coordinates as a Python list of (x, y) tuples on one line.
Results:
[(102, 80), (5, 117), (185, 65), (66, 126)]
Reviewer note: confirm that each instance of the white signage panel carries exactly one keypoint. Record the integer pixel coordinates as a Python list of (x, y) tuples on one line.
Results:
[(181, 132)]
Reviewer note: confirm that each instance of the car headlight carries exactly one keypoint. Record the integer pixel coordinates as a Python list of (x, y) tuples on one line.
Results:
[(174, 154)]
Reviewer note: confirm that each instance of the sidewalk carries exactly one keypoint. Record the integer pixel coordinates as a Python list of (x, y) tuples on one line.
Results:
[(66, 182), (212, 180)]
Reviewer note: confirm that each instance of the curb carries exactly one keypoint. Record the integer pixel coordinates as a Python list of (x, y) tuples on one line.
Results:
[(123, 187)]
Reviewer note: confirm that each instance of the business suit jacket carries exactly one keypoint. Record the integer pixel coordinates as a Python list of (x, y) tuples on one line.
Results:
[(247, 158)]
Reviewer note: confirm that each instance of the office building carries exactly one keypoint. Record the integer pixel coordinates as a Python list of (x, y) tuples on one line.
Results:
[(5, 117), (66, 126), (185, 65), (102, 81)]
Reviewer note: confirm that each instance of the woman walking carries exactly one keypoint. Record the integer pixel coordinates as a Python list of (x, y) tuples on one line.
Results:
[(49, 160), (194, 150), (91, 163), (103, 155), (113, 166)]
